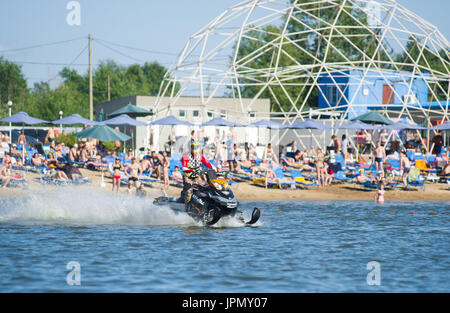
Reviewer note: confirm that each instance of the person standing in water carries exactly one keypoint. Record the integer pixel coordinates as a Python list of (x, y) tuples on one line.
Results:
[(379, 196)]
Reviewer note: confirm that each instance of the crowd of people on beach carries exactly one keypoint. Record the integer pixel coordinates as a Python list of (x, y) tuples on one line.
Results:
[(344, 160)]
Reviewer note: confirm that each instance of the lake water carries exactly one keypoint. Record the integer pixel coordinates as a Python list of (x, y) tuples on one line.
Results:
[(125, 244)]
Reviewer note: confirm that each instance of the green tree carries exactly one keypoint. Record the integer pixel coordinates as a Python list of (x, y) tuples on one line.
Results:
[(72, 95), (436, 63), (13, 85)]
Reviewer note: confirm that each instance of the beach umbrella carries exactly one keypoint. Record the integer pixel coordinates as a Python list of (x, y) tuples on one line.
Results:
[(170, 120), (75, 119), (102, 132), (308, 124), (356, 125), (24, 119), (267, 124), (124, 119), (373, 117), (218, 121), (443, 126), (402, 125), (131, 110)]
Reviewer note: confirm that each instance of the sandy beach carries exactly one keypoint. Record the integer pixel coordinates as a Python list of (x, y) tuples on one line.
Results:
[(248, 192)]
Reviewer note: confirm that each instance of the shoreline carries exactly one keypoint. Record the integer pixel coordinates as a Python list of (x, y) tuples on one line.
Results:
[(245, 191)]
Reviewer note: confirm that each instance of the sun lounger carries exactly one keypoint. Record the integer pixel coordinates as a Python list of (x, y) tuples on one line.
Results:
[(340, 176), (394, 167), (301, 180), (14, 182), (281, 180), (415, 179)]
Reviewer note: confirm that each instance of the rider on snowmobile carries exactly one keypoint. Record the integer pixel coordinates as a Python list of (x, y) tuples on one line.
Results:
[(191, 166)]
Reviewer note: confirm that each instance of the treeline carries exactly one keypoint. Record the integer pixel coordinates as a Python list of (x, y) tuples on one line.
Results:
[(72, 95)]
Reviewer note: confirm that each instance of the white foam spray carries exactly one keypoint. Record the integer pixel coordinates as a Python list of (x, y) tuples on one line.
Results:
[(84, 206), (81, 205)]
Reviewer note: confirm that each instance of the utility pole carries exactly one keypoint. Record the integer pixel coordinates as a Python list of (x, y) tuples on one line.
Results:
[(109, 88), (91, 94)]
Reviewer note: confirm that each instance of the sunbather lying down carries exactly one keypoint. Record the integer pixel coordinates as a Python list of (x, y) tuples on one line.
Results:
[(362, 177), (56, 173), (297, 165)]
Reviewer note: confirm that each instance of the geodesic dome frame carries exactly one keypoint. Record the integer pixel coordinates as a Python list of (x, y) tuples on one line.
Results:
[(283, 49)]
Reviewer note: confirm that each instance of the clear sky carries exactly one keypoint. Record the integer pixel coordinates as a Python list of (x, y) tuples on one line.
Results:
[(160, 26)]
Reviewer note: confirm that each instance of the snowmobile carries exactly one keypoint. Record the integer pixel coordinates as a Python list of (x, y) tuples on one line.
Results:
[(210, 202)]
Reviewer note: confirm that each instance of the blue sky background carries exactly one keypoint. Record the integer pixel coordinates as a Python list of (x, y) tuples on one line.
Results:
[(160, 26)]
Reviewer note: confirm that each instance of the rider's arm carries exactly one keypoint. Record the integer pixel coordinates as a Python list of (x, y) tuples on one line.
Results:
[(206, 163)]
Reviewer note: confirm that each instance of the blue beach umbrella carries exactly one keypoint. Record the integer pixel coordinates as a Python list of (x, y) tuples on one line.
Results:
[(356, 125), (268, 124), (75, 119), (23, 118), (170, 120), (401, 125), (218, 121), (124, 119), (308, 124)]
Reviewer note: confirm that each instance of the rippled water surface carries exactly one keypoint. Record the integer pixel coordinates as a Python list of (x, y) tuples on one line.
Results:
[(126, 244)]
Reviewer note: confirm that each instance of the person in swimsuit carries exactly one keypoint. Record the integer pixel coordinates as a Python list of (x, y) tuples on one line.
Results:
[(165, 166), (50, 135), (269, 154), (117, 167), (157, 159), (405, 164), (146, 166), (337, 145), (320, 167), (5, 173), (380, 156), (134, 174), (22, 140), (379, 196)]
